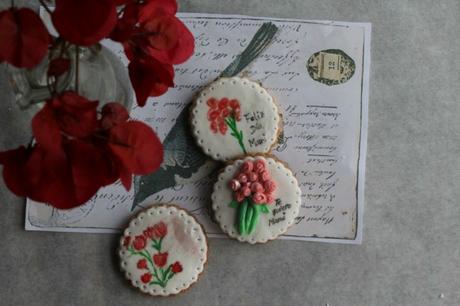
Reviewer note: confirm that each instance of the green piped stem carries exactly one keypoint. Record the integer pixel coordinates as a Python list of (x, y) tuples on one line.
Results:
[(231, 123)]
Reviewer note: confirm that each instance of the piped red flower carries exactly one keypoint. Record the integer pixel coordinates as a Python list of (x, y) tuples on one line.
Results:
[(146, 278), (176, 267), (23, 36), (160, 230), (219, 110), (139, 242), (142, 264), (126, 240), (224, 114), (160, 259)]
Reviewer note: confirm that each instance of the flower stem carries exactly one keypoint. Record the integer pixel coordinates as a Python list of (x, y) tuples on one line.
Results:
[(242, 217), (255, 218), (231, 123)]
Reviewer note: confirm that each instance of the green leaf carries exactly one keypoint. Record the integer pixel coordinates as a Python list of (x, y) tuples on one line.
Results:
[(234, 204), (264, 208)]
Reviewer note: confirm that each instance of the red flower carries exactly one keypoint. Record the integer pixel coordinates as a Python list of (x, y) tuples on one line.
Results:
[(84, 22), (160, 230), (176, 267), (136, 146), (149, 78), (142, 264), (24, 38), (148, 232), (113, 114), (166, 38), (14, 173), (154, 40), (221, 109), (160, 259), (126, 241), (125, 26), (146, 278), (64, 178), (139, 242), (70, 113)]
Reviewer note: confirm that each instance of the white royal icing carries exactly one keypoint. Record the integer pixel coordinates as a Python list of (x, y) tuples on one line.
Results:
[(259, 119), (282, 213), (184, 241)]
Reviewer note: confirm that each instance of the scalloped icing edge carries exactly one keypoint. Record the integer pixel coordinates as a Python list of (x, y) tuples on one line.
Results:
[(238, 162), (182, 214), (246, 82)]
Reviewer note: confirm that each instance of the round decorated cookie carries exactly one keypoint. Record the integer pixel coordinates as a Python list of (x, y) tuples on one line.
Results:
[(234, 117), (256, 199), (163, 250)]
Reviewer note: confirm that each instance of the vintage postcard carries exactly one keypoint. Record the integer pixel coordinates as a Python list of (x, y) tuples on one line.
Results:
[(318, 73)]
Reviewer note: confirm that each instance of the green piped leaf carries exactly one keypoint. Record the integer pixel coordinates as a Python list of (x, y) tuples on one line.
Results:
[(264, 208), (233, 204)]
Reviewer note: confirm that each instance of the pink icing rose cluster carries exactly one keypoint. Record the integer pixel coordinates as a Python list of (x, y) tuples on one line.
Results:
[(253, 180)]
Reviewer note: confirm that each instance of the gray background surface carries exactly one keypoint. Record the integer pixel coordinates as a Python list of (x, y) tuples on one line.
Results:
[(411, 249)]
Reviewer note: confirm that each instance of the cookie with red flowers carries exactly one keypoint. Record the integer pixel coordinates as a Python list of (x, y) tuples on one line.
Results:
[(234, 117), (256, 199), (163, 251)]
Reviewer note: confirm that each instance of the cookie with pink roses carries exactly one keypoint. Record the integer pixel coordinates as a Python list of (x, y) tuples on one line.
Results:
[(234, 117), (163, 251), (256, 199)]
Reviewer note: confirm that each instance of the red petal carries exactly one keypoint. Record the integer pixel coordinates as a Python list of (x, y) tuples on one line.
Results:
[(162, 32), (213, 127), (154, 8), (46, 129), (58, 66), (112, 114), (23, 36), (126, 24), (150, 78), (76, 115), (91, 169), (126, 178), (122, 2), (222, 127), (84, 22), (13, 174), (137, 146), (181, 51), (49, 179), (212, 103), (223, 103), (234, 104)]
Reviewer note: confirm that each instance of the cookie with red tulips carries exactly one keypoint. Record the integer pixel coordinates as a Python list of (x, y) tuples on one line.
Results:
[(163, 250)]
